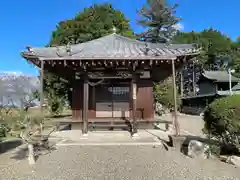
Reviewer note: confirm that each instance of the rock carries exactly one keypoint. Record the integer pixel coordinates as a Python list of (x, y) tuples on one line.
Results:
[(235, 160), (196, 149)]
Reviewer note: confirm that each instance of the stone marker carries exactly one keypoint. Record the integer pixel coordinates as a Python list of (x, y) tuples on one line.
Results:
[(196, 149)]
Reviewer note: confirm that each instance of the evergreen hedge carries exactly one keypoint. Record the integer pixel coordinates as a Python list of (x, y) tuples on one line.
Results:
[(222, 119)]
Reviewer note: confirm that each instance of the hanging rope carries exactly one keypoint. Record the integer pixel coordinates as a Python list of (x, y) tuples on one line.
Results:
[(96, 83)]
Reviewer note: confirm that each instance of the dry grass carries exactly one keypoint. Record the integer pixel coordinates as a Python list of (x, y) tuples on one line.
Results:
[(49, 120), (33, 112), (13, 115)]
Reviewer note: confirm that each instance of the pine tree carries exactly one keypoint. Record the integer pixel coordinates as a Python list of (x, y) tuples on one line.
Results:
[(160, 19)]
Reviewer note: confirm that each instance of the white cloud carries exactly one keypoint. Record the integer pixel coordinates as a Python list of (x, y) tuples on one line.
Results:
[(179, 26)]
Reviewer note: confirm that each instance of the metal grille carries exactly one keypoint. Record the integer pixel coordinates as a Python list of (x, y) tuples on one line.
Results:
[(119, 94)]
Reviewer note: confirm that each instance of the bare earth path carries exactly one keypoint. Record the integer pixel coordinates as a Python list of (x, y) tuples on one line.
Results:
[(189, 123), (117, 163), (192, 124)]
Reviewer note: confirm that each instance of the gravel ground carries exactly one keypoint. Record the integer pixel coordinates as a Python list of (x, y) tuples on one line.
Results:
[(117, 162)]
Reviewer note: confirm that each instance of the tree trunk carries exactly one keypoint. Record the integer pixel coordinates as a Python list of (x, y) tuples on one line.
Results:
[(31, 158)]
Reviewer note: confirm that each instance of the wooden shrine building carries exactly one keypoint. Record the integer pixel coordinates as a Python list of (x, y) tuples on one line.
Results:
[(211, 85), (112, 76)]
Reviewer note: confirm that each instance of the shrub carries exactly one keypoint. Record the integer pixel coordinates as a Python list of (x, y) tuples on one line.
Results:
[(222, 119), (163, 94), (12, 120), (3, 130), (56, 106)]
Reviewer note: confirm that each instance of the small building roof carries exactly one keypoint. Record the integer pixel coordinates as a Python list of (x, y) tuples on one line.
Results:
[(219, 76), (236, 87), (113, 46)]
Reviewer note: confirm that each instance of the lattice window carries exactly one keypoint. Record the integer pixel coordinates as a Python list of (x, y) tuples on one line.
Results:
[(119, 90)]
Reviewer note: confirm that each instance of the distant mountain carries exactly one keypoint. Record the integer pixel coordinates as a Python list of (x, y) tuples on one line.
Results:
[(16, 88)]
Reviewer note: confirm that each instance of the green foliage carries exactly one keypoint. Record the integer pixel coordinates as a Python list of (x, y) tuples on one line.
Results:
[(13, 124), (222, 119), (160, 20), (55, 86), (36, 95), (3, 129), (235, 55), (9, 120), (56, 93), (214, 44), (56, 105), (94, 22), (212, 41), (163, 94)]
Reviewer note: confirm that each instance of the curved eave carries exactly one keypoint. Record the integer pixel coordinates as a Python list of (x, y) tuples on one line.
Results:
[(207, 77), (29, 56)]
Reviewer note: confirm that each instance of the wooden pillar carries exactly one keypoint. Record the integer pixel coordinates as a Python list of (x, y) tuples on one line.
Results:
[(93, 103), (134, 105), (193, 79), (175, 121), (41, 85), (181, 82), (93, 97), (85, 106)]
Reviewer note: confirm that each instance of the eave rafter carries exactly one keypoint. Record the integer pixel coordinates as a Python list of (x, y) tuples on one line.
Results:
[(109, 63)]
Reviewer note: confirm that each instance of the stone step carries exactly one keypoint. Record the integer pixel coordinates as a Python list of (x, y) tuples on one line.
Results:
[(108, 126)]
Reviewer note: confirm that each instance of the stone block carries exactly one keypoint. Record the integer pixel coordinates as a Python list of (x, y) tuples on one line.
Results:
[(196, 149)]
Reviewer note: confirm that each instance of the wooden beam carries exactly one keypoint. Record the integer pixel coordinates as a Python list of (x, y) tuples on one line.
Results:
[(93, 98), (175, 118), (183, 61), (85, 105), (41, 85)]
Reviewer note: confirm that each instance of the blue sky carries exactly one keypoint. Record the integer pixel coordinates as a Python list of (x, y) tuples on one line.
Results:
[(30, 22)]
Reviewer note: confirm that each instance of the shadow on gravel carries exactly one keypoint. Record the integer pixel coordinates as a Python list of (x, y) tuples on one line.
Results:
[(61, 116), (164, 142), (21, 152), (65, 127), (184, 146), (6, 146)]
